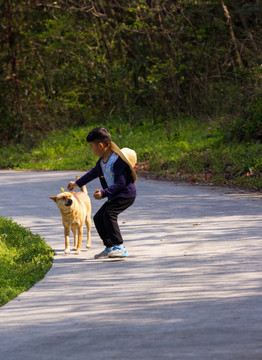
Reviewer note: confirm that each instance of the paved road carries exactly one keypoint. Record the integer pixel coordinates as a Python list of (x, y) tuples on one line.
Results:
[(191, 288)]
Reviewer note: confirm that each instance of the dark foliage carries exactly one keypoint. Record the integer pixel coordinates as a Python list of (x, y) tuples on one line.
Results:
[(63, 63)]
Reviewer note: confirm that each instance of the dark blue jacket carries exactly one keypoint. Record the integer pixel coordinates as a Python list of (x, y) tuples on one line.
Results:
[(123, 185)]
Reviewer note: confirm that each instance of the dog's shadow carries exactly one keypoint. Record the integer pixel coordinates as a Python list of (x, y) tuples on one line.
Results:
[(60, 256), (73, 257)]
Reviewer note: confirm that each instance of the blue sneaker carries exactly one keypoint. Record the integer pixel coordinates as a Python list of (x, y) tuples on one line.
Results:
[(118, 251), (104, 254)]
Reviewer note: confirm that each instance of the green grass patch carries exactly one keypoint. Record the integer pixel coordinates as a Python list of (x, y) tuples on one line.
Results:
[(69, 150), (25, 258), (184, 149)]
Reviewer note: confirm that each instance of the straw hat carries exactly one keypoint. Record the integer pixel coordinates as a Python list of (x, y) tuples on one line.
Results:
[(128, 155)]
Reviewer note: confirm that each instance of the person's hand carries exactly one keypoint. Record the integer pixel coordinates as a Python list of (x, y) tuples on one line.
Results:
[(98, 195), (71, 186)]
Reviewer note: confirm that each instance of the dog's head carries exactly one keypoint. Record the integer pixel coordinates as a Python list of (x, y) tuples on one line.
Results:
[(63, 200)]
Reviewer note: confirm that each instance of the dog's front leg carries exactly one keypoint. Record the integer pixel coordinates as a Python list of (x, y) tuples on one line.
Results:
[(80, 235), (67, 244), (75, 238)]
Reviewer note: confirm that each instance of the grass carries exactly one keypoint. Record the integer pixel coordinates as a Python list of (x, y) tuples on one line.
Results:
[(183, 150), (25, 258)]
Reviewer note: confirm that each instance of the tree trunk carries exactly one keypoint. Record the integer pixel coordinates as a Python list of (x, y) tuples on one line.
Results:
[(233, 37), (13, 56)]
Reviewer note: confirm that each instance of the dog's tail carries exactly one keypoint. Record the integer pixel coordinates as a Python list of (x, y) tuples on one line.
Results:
[(83, 188)]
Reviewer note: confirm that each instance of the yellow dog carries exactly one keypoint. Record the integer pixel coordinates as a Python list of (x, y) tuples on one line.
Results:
[(75, 208)]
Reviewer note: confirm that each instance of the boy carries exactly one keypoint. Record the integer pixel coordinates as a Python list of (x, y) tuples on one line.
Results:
[(117, 178)]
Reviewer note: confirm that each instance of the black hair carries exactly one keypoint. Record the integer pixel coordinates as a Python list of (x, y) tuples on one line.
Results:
[(99, 134)]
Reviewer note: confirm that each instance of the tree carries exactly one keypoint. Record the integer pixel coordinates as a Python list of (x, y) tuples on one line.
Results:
[(64, 62)]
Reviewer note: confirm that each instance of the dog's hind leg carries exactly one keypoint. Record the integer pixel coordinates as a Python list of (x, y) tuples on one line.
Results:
[(67, 244), (88, 227)]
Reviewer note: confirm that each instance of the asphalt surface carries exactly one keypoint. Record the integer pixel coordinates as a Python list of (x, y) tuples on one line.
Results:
[(190, 289)]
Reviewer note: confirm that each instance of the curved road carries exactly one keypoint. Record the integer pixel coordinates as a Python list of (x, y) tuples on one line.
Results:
[(190, 289)]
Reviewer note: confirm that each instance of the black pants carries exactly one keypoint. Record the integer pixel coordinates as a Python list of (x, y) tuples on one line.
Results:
[(106, 220)]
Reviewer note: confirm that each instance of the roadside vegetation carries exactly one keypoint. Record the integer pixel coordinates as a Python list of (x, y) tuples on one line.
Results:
[(183, 150), (24, 259), (178, 81)]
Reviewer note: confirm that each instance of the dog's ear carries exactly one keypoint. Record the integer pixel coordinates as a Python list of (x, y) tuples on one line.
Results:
[(53, 198)]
